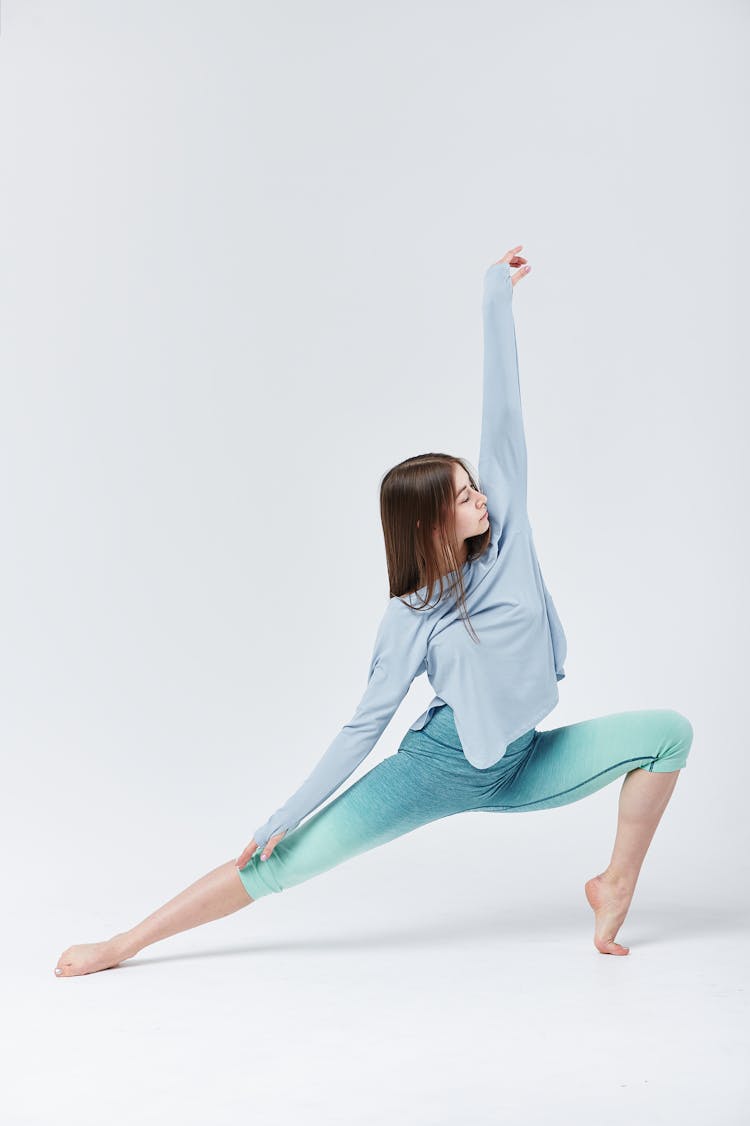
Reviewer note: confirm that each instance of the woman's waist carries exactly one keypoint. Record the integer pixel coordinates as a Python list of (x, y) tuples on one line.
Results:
[(441, 728)]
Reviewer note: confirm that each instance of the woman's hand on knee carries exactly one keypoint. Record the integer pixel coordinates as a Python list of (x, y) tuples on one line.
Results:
[(242, 860)]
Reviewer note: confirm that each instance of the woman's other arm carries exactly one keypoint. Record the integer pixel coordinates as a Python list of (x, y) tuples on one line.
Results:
[(398, 656)]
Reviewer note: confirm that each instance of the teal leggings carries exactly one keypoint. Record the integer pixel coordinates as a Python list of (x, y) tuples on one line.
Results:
[(429, 778)]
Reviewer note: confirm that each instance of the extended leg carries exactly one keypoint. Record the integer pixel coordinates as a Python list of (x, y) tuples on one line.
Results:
[(218, 893), (393, 798)]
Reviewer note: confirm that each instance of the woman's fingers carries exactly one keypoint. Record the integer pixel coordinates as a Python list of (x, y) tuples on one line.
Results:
[(510, 254), (520, 274), (517, 261), (271, 845), (243, 858)]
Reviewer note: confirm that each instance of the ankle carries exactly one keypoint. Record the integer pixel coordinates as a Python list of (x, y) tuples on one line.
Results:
[(125, 945), (618, 879)]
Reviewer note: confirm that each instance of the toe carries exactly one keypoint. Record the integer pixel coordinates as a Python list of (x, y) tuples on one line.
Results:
[(612, 948)]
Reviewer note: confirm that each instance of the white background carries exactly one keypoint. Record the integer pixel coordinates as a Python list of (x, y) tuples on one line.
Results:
[(242, 254)]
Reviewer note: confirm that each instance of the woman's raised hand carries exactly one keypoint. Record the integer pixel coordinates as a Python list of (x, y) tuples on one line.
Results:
[(243, 858), (513, 258)]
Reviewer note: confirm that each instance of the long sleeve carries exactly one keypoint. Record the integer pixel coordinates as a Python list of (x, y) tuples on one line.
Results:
[(398, 656), (502, 451)]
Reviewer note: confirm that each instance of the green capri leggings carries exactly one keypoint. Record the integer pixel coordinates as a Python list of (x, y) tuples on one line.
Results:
[(429, 778)]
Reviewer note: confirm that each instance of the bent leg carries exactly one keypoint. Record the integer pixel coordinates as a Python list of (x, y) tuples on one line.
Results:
[(567, 763), (392, 799)]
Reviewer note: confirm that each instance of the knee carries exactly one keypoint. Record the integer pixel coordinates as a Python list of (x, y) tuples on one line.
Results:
[(682, 729), (261, 878), (678, 740)]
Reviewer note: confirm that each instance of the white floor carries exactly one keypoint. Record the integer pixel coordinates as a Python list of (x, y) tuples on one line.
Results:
[(415, 984)]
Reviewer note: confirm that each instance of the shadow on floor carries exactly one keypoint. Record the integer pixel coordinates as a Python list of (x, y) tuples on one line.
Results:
[(654, 926)]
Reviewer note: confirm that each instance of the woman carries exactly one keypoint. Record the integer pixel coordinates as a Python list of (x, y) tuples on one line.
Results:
[(493, 646)]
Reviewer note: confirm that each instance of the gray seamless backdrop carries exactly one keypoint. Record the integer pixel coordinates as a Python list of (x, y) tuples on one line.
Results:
[(242, 255), (242, 265)]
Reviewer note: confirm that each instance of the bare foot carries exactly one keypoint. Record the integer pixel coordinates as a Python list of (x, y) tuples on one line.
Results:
[(610, 903), (88, 957)]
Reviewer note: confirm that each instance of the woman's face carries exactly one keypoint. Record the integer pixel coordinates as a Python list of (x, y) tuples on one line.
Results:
[(469, 506)]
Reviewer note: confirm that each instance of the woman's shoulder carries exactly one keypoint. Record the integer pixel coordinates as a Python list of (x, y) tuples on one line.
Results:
[(413, 611), (402, 607), (405, 613)]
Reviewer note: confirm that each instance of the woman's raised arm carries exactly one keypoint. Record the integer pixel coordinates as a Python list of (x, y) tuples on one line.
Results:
[(502, 449)]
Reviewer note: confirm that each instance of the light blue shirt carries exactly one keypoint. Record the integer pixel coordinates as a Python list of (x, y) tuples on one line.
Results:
[(498, 689)]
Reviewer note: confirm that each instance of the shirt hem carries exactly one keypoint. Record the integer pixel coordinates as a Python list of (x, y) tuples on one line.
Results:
[(545, 711)]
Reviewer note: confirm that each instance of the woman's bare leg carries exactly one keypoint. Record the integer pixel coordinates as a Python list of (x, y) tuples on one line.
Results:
[(643, 799), (218, 893)]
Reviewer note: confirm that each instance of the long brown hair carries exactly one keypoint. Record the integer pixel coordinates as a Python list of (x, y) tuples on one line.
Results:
[(422, 489)]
